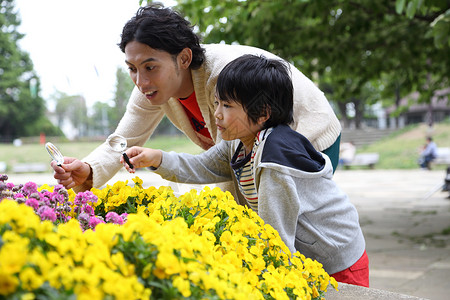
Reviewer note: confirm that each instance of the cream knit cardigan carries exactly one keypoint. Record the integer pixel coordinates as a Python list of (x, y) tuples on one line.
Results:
[(314, 117)]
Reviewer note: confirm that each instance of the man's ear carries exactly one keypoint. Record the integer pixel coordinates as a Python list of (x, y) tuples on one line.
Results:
[(185, 58)]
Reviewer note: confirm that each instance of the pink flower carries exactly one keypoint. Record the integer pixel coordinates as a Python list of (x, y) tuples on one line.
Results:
[(94, 221), (33, 203), (19, 195), (47, 213), (83, 198), (57, 198), (29, 188), (87, 209), (113, 217)]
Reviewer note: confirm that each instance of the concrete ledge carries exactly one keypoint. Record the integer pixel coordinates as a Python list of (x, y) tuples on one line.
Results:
[(352, 292), (30, 168)]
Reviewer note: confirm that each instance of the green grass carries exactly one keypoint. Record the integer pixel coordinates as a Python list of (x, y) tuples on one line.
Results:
[(400, 150)]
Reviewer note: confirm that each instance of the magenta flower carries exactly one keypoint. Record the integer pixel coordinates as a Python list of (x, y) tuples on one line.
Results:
[(84, 197), (124, 217), (33, 203), (88, 209), (94, 221), (113, 217), (29, 188), (58, 198), (47, 213), (19, 195)]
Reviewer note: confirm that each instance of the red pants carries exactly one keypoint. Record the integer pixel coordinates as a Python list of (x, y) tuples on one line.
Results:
[(358, 274)]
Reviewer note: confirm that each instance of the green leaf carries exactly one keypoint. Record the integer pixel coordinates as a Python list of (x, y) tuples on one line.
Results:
[(411, 9), (399, 5)]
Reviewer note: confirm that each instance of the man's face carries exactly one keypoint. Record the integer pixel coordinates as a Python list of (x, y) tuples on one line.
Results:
[(157, 73)]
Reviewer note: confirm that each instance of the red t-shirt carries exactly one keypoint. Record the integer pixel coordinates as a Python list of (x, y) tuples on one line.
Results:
[(192, 110)]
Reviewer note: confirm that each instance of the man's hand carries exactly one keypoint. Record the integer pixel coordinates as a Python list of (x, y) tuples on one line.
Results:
[(71, 173)]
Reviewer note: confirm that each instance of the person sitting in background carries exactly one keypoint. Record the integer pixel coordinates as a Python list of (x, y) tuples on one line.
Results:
[(428, 153), (346, 154)]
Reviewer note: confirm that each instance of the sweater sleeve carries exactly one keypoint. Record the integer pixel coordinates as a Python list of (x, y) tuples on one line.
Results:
[(211, 166), (138, 123)]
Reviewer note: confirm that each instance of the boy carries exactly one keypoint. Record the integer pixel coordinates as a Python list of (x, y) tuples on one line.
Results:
[(277, 170)]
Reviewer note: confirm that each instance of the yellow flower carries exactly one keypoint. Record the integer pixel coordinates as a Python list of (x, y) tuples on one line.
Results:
[(30, 279), (13, 256), (183, 286), (8, 283)]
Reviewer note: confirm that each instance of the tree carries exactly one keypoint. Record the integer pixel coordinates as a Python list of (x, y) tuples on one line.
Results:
[(21, 108), (349, 44), (73, 109), (124, 86), (100, 122)]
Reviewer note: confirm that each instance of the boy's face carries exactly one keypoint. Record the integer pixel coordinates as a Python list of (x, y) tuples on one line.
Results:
[(232, 122)]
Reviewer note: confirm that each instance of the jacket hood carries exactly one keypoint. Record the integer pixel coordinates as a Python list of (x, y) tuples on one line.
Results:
[(290, 152)]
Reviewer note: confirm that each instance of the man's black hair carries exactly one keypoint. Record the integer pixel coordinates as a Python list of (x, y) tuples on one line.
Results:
[(163, 29), (262, 86)]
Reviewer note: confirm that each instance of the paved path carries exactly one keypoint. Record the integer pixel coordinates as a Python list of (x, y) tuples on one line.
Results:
[(406, 225)]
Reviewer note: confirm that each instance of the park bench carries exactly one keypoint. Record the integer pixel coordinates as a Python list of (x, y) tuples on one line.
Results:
[(443, 156), (364, 160)]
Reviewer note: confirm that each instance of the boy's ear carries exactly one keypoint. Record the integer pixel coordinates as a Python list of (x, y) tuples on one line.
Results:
[(264, 117), (185, 58)]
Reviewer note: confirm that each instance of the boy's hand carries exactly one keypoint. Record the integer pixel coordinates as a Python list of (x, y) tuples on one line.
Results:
[(141, 157)]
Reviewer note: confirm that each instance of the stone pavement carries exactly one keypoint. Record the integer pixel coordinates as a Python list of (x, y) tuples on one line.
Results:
[(405, 218)]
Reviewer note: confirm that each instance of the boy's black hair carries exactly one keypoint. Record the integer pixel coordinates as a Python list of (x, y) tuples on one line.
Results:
[(163, 29), (261, 85)]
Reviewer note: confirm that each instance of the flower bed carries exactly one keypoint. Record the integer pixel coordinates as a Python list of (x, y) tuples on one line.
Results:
[(128, 242)]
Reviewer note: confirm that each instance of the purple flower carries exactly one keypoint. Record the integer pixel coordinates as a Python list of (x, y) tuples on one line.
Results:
[(47, 213), (29, 188), (113, 217), (85, 197), (33, 203), (9, 185), (19, 195), (94, 221), (57, 187), (87, 209), (57, 198), (84, 218), (124, 217)]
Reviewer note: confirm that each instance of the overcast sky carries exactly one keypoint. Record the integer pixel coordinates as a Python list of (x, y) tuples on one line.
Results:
[(73, 44)]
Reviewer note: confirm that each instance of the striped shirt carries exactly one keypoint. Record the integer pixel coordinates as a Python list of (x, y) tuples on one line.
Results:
[(244, 169)]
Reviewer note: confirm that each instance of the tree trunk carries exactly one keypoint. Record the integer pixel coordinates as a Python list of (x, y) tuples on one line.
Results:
[(343, 110), (359, 112)]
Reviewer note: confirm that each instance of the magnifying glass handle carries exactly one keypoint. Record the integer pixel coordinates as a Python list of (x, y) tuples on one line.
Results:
[(127, 160)]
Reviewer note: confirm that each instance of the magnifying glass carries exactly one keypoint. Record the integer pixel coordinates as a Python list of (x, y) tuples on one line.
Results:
[(54, 153), (118, 143)]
